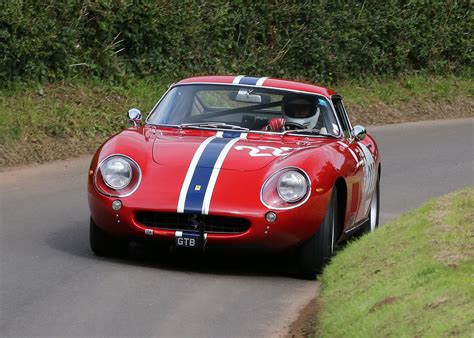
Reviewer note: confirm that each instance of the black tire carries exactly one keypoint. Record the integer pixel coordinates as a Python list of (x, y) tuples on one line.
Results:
[(103, 244), (374, 213), (315, 253)]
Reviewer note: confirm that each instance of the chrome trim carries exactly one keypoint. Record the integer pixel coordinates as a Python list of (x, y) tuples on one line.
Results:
[(156, 104), (292, 206), (337, 96), (359, 132), (260, 132), (345, 111), (341, 134), (116, 195), (134, 116), (357, 225)]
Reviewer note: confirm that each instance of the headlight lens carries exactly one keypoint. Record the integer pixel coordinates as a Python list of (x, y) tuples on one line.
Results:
[(117, 176), (117, 172), (292, 186), (286, 189)]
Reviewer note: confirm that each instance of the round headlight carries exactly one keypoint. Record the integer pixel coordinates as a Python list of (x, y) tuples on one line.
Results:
[(117, 172), (292, 186)]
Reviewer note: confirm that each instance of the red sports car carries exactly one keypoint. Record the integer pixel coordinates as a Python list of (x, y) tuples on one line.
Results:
[(237, 161)]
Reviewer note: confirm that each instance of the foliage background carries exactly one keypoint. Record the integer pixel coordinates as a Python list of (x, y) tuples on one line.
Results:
[(70, 69), (320, 41)]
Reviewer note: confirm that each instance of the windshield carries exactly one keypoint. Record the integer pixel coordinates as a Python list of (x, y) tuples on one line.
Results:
[(246, 108)]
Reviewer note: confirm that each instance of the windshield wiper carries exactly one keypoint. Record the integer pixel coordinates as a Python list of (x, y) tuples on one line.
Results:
[(308, 131), (216, 125)]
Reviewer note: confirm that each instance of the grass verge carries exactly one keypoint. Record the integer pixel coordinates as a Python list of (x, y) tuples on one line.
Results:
[(46, 122), (412, 277), (63, 120)]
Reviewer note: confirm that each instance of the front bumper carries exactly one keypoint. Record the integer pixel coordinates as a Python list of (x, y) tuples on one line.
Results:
[(291, 228)]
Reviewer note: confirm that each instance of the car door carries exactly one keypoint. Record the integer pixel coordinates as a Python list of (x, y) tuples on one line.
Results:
[(368, 180), (361, 182)]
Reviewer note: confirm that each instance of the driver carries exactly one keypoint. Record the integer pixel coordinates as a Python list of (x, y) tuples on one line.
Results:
[(299, 110)]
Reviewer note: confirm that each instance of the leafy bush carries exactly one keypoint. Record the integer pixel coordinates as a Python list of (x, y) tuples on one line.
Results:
[(320, 41)]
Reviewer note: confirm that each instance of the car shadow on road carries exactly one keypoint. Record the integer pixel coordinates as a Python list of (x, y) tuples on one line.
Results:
[(73, 239)]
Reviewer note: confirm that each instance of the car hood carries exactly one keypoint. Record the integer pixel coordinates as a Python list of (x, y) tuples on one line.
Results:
[(252, 152)]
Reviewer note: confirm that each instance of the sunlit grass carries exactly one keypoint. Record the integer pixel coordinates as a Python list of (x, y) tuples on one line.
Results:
[(78, 109), (408, 88), (412, 277)]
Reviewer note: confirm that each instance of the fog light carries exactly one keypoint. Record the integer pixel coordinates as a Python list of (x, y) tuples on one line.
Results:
[(270, 217), (116, 205)]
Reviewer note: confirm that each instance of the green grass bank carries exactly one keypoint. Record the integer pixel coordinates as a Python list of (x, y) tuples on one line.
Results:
[(40, 123), (411, 278)]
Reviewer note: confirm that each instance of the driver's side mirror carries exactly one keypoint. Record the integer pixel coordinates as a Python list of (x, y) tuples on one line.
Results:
[(134, 116), (359, 132)]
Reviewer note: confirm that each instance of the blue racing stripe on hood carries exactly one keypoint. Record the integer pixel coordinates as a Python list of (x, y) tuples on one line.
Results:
[(248, 80), (202, 174), (231, 134)]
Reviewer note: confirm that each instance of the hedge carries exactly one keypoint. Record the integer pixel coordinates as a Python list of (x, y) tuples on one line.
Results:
[(322, 41)]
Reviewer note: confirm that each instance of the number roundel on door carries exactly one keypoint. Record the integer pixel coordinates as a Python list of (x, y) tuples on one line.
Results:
[(370, 175)]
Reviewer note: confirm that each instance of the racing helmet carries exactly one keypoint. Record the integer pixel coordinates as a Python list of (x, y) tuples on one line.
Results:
[(301, 110)]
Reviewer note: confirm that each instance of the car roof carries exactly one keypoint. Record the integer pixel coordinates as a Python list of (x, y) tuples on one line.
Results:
[(261, 82)]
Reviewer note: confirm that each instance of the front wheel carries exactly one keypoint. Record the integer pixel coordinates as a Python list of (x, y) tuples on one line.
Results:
[(314, 254)]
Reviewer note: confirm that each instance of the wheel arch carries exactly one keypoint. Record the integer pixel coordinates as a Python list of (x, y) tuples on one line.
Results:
[(341, 187)]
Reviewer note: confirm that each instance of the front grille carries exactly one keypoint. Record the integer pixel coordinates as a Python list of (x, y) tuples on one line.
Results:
[(183, 222)]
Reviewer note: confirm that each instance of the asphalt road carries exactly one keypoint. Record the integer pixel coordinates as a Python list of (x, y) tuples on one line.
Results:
[(51, 284)]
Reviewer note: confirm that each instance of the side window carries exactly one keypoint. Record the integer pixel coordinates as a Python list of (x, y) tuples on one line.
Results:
[(342, 116)]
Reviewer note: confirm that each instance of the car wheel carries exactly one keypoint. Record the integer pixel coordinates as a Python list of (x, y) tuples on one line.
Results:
[(373, 222), (103, 244), (316, 252)]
